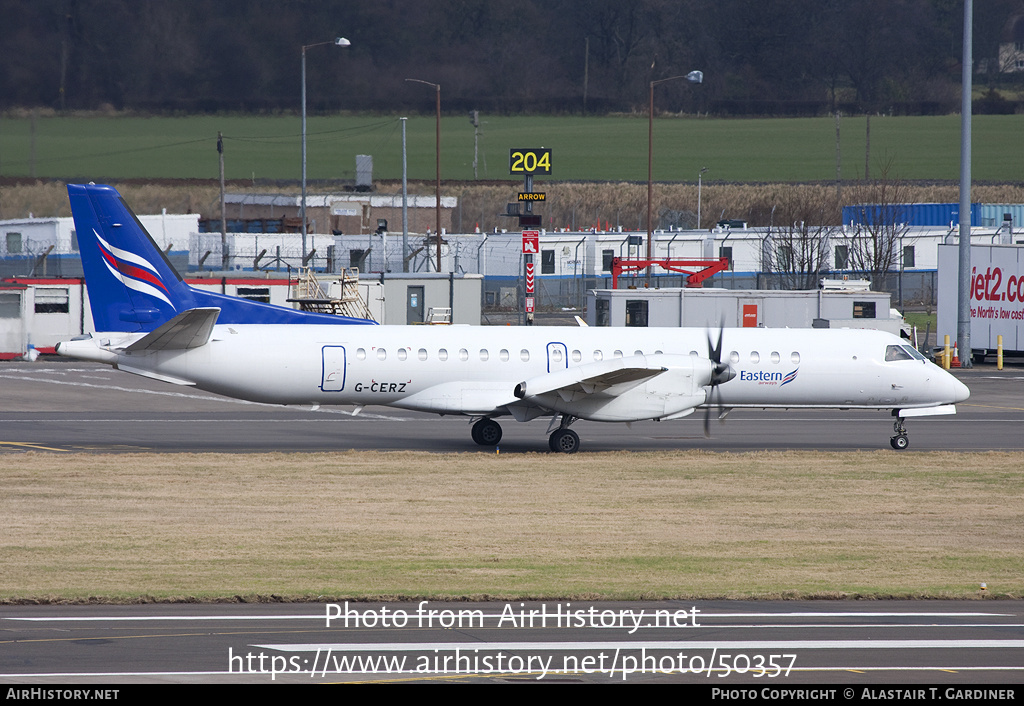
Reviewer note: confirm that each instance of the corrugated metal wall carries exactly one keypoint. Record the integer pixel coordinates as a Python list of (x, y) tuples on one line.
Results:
[(915, 214), (991, 214)]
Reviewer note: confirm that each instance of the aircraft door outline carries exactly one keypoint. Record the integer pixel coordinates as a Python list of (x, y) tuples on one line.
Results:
[(555, 352), (332, 375)]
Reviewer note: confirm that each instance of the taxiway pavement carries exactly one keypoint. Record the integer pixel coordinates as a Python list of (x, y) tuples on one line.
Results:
[(761, 645), (73, 406)]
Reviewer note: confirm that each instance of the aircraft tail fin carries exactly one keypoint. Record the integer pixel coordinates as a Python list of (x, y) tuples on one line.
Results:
[(134, 288), (132, 285)]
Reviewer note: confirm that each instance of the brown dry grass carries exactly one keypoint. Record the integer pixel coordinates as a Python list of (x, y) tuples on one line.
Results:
[(582, 204), (406, 524)]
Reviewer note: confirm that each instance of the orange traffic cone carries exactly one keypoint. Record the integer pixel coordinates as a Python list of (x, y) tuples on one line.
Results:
[(955, 363)]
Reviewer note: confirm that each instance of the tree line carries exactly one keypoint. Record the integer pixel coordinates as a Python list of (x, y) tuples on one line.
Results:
[(515, 56)]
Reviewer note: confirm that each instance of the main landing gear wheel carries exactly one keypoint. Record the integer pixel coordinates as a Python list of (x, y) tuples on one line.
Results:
[(901, 440), (564, 441), (487, 432)]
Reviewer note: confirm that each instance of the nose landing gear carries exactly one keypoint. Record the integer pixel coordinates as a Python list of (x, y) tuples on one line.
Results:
[(901, 441)]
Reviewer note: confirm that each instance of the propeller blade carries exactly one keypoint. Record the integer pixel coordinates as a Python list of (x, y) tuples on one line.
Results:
[(715, 351), (707, 414), (722, 372)]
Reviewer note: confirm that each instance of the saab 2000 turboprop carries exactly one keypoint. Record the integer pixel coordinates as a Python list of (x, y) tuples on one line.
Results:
[(150, 322)]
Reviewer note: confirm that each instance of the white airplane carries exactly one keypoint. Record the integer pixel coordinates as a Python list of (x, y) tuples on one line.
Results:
[(149, 322)]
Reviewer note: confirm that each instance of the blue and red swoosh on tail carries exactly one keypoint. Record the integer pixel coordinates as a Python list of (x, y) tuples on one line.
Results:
[(133, 271)]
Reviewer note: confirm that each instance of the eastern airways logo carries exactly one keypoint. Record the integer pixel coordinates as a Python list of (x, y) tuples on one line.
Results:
[(133, 271), (762, 377)]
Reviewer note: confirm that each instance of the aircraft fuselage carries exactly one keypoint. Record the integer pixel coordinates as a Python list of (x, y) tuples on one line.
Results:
[(475, 370)]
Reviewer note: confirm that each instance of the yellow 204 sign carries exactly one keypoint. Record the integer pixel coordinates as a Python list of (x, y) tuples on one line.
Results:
[(529, 161)]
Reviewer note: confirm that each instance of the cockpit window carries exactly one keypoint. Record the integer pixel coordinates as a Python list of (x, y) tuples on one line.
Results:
[(914, 352), (896, 353)]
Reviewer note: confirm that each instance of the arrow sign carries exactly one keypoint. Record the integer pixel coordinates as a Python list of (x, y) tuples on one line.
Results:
[(529, 278)]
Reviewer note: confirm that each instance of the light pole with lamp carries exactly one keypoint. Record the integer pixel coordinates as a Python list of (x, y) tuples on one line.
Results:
[(339, 42), (437, 188), (692, 77)]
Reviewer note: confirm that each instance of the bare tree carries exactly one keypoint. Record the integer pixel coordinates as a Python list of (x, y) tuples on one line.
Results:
[(874, 246), (796, 251)]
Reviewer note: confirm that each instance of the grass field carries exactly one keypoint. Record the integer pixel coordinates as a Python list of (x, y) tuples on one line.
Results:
[(608, 525), (597, 148)]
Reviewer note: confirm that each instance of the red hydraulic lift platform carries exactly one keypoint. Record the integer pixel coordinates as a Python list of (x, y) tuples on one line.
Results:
[(698, 270)]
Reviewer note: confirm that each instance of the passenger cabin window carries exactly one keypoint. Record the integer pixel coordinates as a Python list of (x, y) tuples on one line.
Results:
[(524, 355), (422, 354), (442, 354)]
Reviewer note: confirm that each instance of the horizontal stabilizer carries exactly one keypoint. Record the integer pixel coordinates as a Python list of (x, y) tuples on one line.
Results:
[(189, 329)]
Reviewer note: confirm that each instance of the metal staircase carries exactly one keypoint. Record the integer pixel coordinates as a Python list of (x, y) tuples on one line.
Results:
[(309, 293)]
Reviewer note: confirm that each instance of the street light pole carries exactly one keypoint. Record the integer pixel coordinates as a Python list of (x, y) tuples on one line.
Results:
[(692, 77), (700, 174), (437, 187), (405, 201), (340, 42)]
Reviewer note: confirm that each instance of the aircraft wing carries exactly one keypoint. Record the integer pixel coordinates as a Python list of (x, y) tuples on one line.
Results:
[(623, 389), (593, 378)]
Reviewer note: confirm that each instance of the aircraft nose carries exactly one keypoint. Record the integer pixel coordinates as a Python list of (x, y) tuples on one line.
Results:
[(960, 391)]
